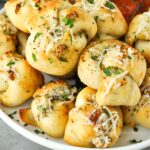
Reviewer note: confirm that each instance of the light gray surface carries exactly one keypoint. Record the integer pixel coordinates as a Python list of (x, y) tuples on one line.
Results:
[(11, 140)]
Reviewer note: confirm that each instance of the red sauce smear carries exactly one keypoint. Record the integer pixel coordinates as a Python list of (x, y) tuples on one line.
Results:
[(130, 8)]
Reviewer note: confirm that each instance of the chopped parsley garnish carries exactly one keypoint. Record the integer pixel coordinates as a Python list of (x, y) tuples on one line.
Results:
[(135, 129), (11, 115), (65, 97), (10, 63), (42, 109), (38, 131), (129, 57), (63, 59), (96, 18), (68, 21), (41, 17), (109, 5), (58, 31), (34, 57), (80, 34), (135, 141), (50, 61), (6, 32), (37, 6), (94, 57), (36, 36), (91, 1), (112, 70)]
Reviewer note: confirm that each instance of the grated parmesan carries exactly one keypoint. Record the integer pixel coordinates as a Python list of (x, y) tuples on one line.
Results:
[(97, 4), (113, 83), (106, 125)]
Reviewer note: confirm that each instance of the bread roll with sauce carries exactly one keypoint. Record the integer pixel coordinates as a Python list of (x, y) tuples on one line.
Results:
[(57, 40), (51, 106), (18, 80), (101, 59), (110, 21), (90, 125), (22, 39), (18, 11), (140, 113), (138, 34), (7, 35)]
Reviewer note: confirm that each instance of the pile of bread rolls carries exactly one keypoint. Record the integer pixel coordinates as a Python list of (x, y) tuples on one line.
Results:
[(90, 38)]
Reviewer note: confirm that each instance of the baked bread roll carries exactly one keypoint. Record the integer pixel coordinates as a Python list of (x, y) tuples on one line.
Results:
[(58, 42), (22, 39), (110, 21), (18, 80), (138, 34), (118, 90), (86, 96), (140, 113), (90, 125), (7, 35), (103, 59), (18, 11), (51, 106)]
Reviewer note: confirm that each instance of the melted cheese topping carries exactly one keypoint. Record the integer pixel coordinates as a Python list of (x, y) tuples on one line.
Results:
[(113, 84), (114, 54), (63, 94), (105, 126), (95, 6), (47, 39)]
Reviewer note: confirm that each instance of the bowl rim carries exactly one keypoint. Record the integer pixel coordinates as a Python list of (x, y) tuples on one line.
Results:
[(55, 145), (60, 146)]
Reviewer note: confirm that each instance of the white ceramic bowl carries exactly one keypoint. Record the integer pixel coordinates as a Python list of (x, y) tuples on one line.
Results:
[(58, 144)]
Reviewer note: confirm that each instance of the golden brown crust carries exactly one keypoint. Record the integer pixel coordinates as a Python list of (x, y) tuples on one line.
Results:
[(138, 34), (140, 113), (7, 35), (51, 106), (81, 129), (19, 11), (58, 37), (17, 74), (110, 53), (27, 117), (107, 17)]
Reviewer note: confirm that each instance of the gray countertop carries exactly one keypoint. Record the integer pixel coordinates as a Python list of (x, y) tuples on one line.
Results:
[(11, 140)]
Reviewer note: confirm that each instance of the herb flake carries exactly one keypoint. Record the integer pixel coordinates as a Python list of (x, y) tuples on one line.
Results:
[(112, 70), (109, 5), (135, 129), (91, 1), (96, 18), (68, 21), (36, 36), (10, 63), (34, 57), (12, 114), (63, 59), (133, 141)]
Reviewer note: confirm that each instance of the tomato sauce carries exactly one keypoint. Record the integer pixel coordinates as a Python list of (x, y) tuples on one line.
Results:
[(131, 8)]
